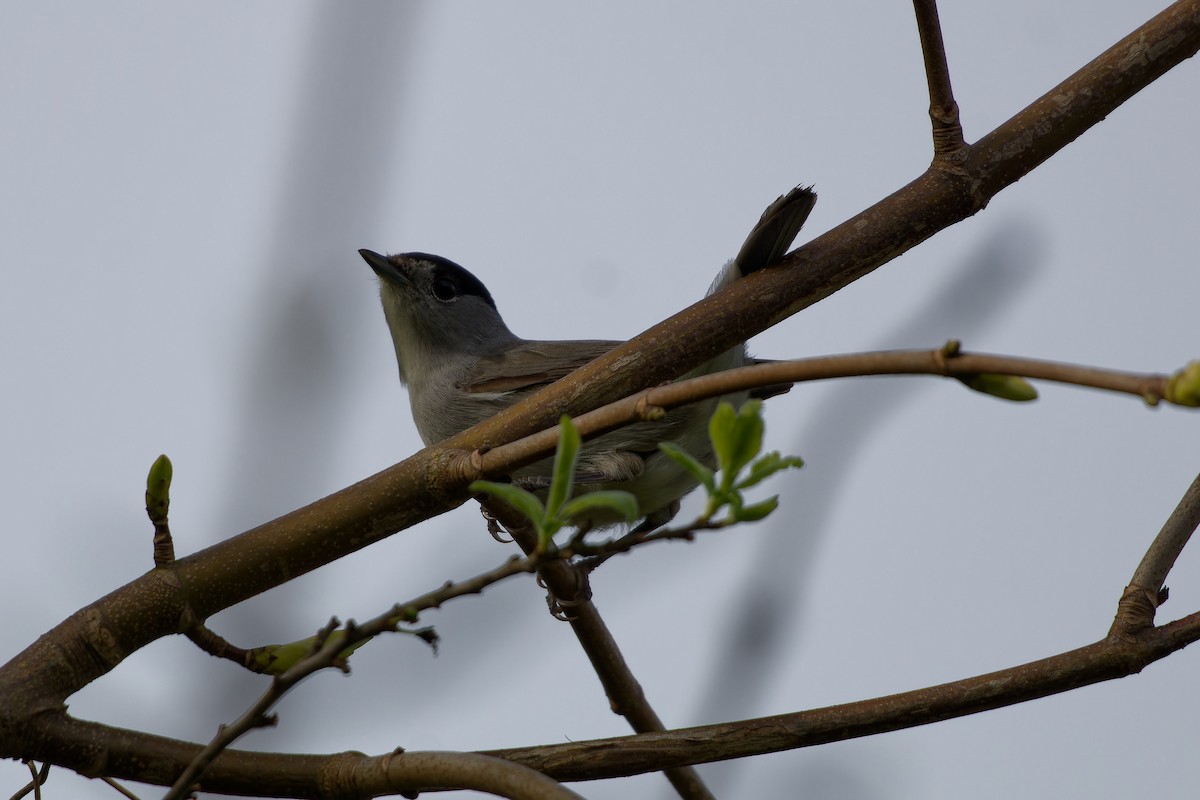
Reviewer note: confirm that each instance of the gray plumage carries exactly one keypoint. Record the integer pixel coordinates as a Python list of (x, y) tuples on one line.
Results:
[(462, 364)]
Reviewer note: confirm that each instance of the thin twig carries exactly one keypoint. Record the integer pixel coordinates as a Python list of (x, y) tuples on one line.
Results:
[(256, 716), (119, 788), (593, 555), (188, 780), (943, 110), (568, 586), (215, 645), (38, 778), (35, 785), (1153, 569), (505, 458)]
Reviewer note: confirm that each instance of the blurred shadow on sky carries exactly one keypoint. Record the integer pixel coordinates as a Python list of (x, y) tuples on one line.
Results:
[(756, 635), (346, 137)]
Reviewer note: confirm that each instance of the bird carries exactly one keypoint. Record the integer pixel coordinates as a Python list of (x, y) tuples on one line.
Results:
[(462, 364)]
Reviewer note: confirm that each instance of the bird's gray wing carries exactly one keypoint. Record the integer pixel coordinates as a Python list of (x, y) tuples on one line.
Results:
[(532, 364)]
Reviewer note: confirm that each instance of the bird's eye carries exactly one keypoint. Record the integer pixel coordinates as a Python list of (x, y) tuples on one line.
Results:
[(445, 289)]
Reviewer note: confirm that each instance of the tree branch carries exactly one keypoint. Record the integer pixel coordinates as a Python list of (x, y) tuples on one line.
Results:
[(1146, 590), (158, 760), (1151, 387), (1152, 572), (1105, 660), (570, 590), (943, 110), (439, 770)]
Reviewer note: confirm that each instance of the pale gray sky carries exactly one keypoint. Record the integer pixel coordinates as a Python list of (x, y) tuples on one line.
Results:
[(183, 191)]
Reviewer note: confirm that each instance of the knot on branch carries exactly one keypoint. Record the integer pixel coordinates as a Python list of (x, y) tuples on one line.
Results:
[(1135, 612), (338, 775), (943, 355), (647, 411), (450, 471), (948, 144)]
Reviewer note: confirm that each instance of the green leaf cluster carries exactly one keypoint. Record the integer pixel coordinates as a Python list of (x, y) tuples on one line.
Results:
[(560, 509), (737, 438)]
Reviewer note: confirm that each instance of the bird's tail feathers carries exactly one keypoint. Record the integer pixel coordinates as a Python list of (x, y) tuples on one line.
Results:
[(771, 237)]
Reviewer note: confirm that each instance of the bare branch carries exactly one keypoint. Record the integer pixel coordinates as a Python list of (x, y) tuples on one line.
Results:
[(439, 770), (1067, 111), (1151, 387), (38, 777), (217, 646), (1105, 660), (943, 110), (152, 758), (1146, 591), (1152, 571), (118, 788)]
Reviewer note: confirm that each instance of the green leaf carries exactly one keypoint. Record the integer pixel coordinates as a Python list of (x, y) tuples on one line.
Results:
[(276, 659), (564, 466), (621, 503), (720, 431), (339, 637), (743, 441), (523, 501), (756, 511), (767, 466), (683, 458), (1005, 387)]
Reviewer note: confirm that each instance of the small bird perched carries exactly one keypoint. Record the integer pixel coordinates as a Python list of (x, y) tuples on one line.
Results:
[(462, 364)]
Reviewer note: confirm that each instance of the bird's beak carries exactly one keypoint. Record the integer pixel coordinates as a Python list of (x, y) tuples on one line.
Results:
[(385, 268)]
